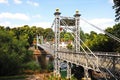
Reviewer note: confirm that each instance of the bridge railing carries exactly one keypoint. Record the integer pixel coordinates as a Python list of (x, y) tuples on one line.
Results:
[(107, 60), (78, 59)]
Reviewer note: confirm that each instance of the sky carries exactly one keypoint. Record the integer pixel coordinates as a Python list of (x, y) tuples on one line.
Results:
[(40, 13)]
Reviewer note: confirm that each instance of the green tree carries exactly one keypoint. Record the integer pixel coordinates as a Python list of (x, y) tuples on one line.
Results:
[(98, 42), (102, 42), (62, 36), (70, 46), (116, 32), (28, 33), (2, 28), (82, 35), (68, 36), (13, 53), (48, 34)]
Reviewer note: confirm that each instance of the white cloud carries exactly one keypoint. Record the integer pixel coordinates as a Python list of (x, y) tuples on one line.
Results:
[(41, 24), (111, 1), (6, 23), (37, 16), (17, 1), (4, 1), (32, 3), (18, 16), (37, 24), (102, 23), (11, 24)]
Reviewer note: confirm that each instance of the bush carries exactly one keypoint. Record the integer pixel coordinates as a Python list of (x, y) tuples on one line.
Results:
[(70, 46), (50, 66), (34, 66), (10, 64), (17, 77)]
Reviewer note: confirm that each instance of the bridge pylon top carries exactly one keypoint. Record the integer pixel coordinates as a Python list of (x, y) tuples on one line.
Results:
[(57, 9), (57, 12), (77, 14)]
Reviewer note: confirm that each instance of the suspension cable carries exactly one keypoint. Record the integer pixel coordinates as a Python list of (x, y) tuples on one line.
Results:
[(110, 35), (53, 24), (111, 74)]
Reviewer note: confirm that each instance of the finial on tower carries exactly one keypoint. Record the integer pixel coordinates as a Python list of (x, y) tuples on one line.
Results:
[(57, 9), (57, 12), (77, 13)]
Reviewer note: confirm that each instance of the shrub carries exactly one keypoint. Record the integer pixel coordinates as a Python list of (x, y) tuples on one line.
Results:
[(50, 66), (34, 66), (70, 46)]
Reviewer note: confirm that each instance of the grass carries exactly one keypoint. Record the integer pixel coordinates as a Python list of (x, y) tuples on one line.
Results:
[(18, 77), (63, 76), (52, 77)]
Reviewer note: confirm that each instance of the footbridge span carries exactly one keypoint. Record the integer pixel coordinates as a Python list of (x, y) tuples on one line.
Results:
[(105, 63)]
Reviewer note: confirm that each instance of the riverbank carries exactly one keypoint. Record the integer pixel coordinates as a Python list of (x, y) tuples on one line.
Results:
[(16, 77), (37, 76)]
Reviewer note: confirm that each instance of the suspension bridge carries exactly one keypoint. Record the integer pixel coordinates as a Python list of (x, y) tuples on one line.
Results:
[(104, 62)]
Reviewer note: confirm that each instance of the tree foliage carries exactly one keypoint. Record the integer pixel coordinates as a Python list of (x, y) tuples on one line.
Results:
[(66, 36), (48, 34), (116, 32), (101, 42), (13, 53), (14, 48), (97, 42), (117, 9), (70, 46)]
